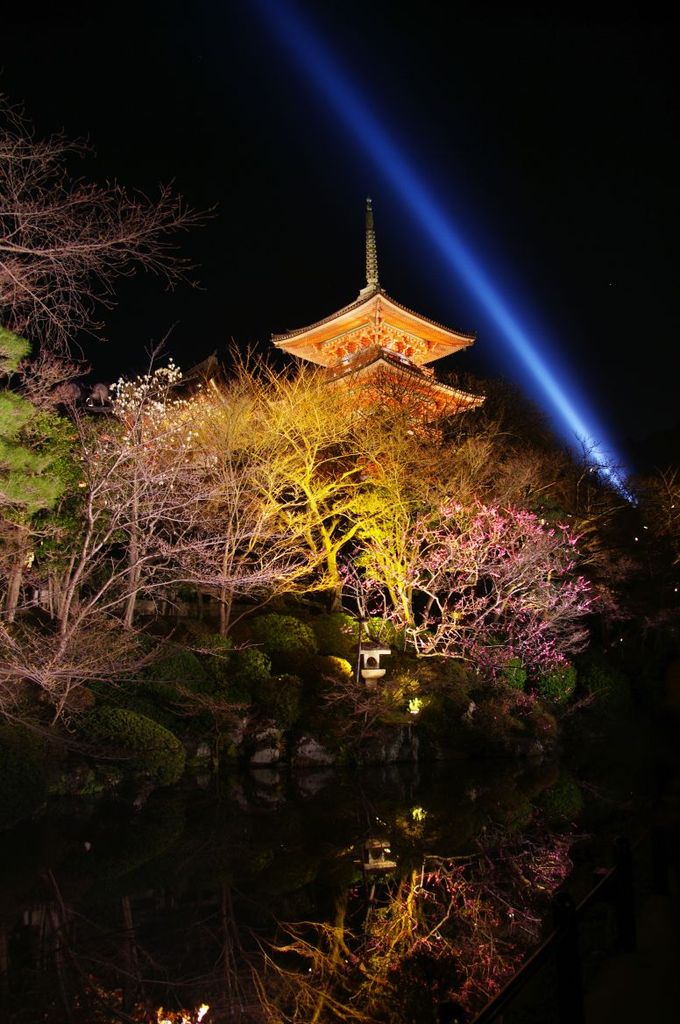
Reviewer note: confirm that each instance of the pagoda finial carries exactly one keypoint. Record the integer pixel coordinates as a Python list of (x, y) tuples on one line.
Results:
[(372, 282)]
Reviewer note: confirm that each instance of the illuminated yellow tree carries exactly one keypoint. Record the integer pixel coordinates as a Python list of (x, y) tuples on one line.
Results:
[(317, 472)]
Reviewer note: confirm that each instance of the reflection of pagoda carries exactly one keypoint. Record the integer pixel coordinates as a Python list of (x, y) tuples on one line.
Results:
[(383, 348)]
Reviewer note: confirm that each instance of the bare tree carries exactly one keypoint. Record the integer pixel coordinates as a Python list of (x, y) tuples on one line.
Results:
[(47, 671), (255, 541), (168, 494), (64, 240), (661, 506)]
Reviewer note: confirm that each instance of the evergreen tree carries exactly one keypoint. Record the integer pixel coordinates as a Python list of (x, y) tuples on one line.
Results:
[(34, 468)]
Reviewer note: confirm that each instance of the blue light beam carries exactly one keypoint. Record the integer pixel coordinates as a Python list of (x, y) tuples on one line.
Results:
[(578, 427)]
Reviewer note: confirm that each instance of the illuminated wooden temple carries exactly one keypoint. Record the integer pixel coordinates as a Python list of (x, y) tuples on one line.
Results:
[(380, 349)]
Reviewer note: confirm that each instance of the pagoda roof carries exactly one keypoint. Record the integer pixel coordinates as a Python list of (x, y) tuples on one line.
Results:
[(369, 362), (372, 306)]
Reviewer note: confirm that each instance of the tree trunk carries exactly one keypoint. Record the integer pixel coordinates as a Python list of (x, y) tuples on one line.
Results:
[(335, 589), (133, 560), (335, 598), (19, 548), (226, 601), (14, 581), (226, 593), (131, 602), (132, 977), (58, 928)]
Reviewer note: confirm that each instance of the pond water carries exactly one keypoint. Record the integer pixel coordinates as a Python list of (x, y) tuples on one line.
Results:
[(108, 912)]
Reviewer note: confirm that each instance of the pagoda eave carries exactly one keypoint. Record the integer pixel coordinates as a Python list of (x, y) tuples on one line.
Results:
[(374, 319), (381, 370)]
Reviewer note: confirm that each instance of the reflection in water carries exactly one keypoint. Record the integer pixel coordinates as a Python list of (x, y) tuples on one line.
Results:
[(446, 935), (108, 915)]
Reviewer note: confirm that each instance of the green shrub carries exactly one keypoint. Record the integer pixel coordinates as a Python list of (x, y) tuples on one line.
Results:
[(542, 724), (558, 684), (279, 697), (181, 666), (154, 700), (251, 669), (163, 689), (441, 719), (448, 676), (336, 634), (149, 748), (22, 774), (445, 685), (236, 674), (518, 816), (563, 801), (284, 638), (337, 668), (381, 631), (606, 683), (486, 727), (514, 674), (218, 659)]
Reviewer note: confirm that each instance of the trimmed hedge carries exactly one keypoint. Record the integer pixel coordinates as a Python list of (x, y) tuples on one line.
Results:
[(557, 685), (514, 674), (150, 749), (337, 635), (563, 801), (280, 698), (250, 669), (180, 666), (287, 640), (337, 668)]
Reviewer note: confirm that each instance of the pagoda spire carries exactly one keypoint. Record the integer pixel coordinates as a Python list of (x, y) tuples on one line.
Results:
[(375, 343), (372, 283)]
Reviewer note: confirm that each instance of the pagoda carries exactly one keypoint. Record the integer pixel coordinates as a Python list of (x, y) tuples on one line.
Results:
[(378, 348)]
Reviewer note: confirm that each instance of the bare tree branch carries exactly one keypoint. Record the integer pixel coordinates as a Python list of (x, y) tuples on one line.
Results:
[(63, 241)]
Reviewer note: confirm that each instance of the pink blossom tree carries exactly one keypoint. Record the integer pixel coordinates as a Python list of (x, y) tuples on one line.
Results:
[(483, 584)]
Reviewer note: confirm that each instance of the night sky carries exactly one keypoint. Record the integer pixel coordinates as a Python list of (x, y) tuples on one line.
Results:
[(548, 136)]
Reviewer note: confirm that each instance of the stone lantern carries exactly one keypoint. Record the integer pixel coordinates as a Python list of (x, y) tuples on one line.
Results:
[(370, 664), (376, 855)]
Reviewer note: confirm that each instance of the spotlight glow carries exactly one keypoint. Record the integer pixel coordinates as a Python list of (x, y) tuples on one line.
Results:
[(568, 411)]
